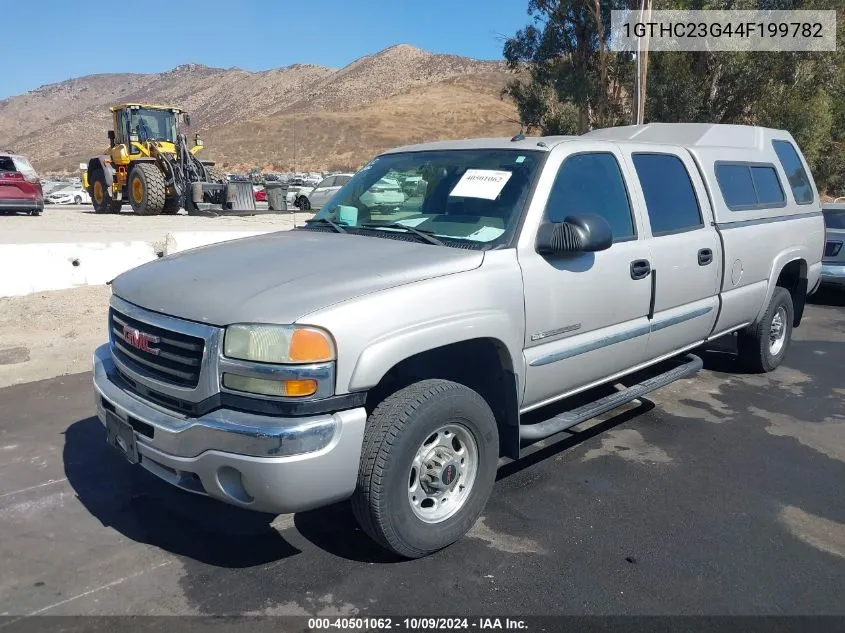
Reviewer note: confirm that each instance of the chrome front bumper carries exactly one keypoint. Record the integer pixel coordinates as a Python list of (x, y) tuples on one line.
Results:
[(833, 274), (254, 461)]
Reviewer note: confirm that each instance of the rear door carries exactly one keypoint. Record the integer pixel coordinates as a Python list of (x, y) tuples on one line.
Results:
[(685, 248)]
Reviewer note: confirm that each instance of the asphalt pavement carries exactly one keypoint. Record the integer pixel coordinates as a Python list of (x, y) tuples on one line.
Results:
[(722, 494)]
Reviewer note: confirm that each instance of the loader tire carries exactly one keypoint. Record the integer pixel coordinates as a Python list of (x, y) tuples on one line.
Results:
[(146, 189), (100, 197)]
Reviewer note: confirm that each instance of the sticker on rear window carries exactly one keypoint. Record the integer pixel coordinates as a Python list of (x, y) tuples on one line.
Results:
[(481, 183)]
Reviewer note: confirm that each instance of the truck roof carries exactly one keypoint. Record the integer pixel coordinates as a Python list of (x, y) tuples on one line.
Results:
[(690, 135)]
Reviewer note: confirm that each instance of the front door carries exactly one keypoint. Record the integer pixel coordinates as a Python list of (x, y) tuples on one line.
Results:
[(586, 313), (685, 249)]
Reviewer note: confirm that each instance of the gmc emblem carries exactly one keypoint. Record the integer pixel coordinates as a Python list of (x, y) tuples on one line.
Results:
[(140, 340)]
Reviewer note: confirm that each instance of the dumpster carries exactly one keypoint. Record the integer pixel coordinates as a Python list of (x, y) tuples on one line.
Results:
[(276, 195)]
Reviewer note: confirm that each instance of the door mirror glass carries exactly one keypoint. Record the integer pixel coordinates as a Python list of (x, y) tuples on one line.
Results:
[(582, 233), (111, 137)]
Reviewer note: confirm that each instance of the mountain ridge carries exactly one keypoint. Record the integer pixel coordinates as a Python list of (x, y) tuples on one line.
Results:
[(61, 124)]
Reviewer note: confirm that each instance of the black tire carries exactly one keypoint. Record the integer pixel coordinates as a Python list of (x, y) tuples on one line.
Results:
[(395, 431), (99, 192), (77, 200), (35, 212), (303, 203), (171, 206), (755, 344), (146, 189)]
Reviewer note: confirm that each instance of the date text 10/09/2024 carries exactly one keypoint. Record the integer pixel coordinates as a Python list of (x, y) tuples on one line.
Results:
[(416, 624)]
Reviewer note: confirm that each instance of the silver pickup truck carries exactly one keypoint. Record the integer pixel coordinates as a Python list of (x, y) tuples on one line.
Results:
[(390, 354)]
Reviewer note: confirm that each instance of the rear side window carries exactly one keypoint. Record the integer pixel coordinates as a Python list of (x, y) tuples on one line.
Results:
[(7, 164), (747, 186), (767, 184), (799, 182), (341, 180), (592, 183), (669, 196)]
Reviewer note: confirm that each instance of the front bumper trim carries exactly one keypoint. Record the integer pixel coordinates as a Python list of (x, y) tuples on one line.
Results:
[(271, 464)]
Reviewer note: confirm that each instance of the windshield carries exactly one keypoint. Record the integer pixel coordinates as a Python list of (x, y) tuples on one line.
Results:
[(471, 196), (150, 125)]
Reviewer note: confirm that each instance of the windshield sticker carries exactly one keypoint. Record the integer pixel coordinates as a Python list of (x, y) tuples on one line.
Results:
[(486, 234), (347, 215), (481, 183), (520, 159), (412, 221)]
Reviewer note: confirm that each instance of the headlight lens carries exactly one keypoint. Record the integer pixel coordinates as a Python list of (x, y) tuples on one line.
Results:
[(281, 344)]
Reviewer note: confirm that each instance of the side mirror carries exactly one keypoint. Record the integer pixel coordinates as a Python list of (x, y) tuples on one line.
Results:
[(582, 233), (83, 166), (197, 140), (111, 137), (186, 119)]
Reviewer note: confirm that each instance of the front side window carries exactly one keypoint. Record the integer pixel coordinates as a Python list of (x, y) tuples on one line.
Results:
[(592, 183), (799, 182), (325, 183), (669, 196), (474, 197)]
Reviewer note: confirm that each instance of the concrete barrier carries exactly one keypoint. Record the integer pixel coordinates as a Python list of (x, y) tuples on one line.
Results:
[(27, 268), (184, 240)]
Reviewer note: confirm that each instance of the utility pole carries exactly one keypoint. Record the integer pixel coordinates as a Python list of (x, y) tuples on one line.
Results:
[(641, 80), (294, 143)]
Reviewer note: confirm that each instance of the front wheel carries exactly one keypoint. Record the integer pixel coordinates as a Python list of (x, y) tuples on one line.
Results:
[(303, 203), (147, 189), (763, 347), (428, 465)]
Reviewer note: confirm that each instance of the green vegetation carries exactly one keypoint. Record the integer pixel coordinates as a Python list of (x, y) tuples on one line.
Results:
[(570, 83)]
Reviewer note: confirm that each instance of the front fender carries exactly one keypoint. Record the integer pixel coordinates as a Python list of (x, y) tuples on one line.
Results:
[(385, 353), (102, 163)]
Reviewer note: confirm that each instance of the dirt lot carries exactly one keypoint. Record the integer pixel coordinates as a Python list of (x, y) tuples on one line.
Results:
[(48, 334), (81, 224)]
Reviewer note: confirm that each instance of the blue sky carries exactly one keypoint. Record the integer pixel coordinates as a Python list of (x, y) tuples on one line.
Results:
[(59, 39)]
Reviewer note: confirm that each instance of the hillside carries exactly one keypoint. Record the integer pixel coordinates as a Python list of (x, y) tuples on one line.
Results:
[(338, 117)]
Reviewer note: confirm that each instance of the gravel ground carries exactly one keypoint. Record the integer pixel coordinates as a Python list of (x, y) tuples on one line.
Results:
[(80, 224), (48, 334)]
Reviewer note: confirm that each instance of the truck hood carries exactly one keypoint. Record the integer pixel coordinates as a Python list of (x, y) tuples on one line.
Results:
[(281, 277)]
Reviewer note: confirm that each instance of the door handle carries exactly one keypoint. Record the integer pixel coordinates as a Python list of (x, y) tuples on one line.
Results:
[(705, 256), (640, 268)]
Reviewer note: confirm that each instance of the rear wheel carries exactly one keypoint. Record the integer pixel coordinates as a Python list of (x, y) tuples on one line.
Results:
[(77, 200), (763, 347), (303, 203), (146, 189), (428, 465), (100, 197)]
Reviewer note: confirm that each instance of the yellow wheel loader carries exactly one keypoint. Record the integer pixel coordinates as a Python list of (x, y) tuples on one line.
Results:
[(150, 166)]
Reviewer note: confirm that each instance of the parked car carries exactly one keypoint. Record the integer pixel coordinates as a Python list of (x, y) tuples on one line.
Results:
[(315, 198), (71, 193), (833, 264), (20, 187), (386, 193), (393, 362), (259, 194)]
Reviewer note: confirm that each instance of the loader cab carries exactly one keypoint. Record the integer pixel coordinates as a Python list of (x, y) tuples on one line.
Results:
[(138, 124)]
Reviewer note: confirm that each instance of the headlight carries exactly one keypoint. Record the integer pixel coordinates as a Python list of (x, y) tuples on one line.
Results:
[(280, 344)]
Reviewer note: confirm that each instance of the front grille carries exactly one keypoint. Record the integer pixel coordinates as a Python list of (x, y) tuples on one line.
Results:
[(179, 357), (831, 249)]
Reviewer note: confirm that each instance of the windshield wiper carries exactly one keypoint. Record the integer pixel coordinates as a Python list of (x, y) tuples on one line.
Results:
[(337, 227), (423, 234)]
